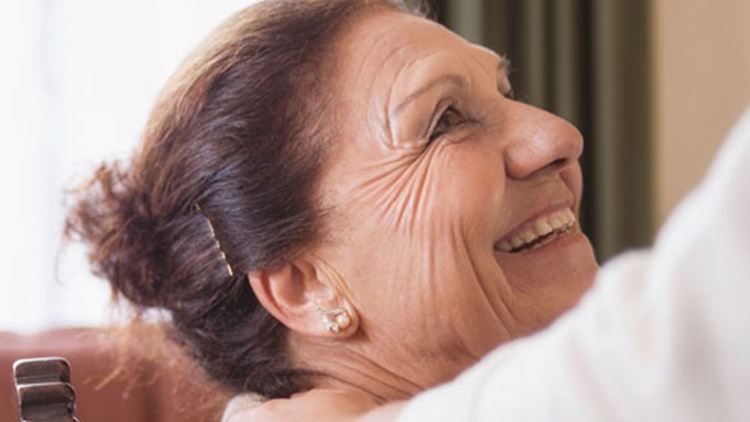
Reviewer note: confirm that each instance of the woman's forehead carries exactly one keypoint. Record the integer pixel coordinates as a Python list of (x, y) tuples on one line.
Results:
[(385, 57), (381, 46)]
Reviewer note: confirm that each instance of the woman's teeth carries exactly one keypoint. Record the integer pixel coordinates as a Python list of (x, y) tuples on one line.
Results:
[(534, 233)]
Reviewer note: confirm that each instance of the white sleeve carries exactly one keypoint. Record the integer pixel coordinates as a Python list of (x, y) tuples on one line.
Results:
[(663, 335)]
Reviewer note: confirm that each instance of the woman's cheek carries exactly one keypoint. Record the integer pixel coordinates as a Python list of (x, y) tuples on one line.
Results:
[(474, 187)]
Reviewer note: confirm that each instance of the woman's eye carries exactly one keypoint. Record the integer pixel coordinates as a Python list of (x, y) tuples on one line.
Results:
[(448, 119)]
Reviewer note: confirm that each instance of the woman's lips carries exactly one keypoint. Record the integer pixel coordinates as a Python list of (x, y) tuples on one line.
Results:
[(538, 231)]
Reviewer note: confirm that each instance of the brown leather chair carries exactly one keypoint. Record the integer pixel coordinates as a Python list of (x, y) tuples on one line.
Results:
[(143, 390)]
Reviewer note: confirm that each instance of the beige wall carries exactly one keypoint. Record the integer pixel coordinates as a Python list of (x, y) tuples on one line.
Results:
[(702, 84)]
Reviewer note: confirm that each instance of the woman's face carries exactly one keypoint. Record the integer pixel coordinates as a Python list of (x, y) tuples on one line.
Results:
[(453, 207)]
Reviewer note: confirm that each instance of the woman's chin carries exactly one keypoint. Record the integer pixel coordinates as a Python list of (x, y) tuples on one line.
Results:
[(553, 276)]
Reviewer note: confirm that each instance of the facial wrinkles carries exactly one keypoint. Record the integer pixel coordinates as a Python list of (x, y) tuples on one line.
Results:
[(403, 195), (382, 181), (449, 338), (472, 253), (474, 274), (478, 267), (442, 340), (405, 199), (394, 186), (446, 254), (396, 92), (364, 72), (416, 251), (399, 65), (397, 183)]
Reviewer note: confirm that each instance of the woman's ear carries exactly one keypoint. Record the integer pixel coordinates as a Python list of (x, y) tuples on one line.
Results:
[(297, 295)]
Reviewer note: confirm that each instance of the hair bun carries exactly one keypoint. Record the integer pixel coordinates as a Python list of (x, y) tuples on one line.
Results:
[(112, 218)]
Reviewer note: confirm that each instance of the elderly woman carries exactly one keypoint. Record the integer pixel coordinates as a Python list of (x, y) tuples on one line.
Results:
[(339, 204)]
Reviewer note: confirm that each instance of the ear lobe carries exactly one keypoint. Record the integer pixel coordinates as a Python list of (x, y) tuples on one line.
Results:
[(295, 295)]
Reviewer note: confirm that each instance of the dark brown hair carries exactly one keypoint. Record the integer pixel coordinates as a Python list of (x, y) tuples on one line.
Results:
[(232, 141)]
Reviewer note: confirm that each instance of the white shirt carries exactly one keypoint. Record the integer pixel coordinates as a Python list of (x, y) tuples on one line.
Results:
[(663, 335)]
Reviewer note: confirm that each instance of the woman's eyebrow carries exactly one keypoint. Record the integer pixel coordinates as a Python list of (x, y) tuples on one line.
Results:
[(504, 68), (449, 78)]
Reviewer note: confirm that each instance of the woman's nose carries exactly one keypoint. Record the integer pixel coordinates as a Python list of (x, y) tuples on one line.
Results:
[(539, 142)]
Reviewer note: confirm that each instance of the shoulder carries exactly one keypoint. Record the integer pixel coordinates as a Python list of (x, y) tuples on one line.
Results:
[(242, 407), (312, 405)]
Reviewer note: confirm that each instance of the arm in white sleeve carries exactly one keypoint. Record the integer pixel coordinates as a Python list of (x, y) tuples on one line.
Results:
[(663, 335)]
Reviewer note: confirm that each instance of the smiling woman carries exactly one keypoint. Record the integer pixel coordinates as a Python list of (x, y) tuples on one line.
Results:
[(424, 197), (340, 202)]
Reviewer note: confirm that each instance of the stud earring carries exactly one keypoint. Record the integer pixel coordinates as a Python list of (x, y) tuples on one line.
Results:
[(336, 320)]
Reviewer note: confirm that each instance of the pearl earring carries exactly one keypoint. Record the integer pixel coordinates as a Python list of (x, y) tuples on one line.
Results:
[(336, 320)]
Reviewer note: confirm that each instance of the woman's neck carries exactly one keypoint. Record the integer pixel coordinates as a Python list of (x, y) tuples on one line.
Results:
[(342, 368)]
